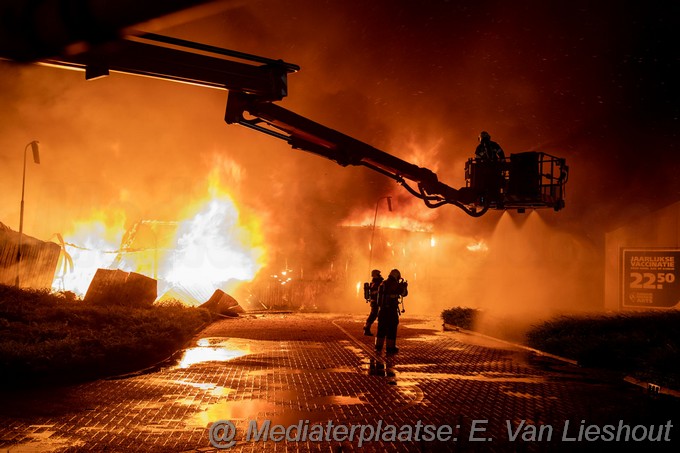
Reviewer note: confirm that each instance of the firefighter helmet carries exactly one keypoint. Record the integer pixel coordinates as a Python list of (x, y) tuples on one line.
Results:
[(395, 273), (484, 135), (375, 273)]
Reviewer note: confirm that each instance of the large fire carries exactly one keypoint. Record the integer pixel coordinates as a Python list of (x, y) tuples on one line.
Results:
[(214, 247)]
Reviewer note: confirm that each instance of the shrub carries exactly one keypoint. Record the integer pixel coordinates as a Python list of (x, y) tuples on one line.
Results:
[(460, 317), (646, 343)]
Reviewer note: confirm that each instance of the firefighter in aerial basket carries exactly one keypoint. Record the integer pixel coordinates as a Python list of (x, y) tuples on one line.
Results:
[(390, 296), (488, 173), (371, 296), (488, 150)]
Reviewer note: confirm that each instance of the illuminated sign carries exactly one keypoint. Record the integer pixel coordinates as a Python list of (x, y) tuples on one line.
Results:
[(650, 278)]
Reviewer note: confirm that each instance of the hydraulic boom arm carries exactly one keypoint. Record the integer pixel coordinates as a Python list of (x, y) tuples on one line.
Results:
[(302, 133)]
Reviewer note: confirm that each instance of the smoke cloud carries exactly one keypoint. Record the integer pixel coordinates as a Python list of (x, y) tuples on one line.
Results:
[(417, 79)]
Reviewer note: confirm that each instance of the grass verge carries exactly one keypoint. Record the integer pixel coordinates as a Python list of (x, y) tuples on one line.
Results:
[(645, 345), (54, 339)]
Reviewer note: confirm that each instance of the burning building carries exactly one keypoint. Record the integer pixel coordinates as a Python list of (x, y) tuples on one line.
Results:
[(136, 142)]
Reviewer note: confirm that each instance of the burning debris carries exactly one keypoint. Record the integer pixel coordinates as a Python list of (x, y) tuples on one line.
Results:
[(223, 304), (119, 288)]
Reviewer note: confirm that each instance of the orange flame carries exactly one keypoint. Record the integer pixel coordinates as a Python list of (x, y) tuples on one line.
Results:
[(211, 249), (214, 247), (394, 220), (92, 245)]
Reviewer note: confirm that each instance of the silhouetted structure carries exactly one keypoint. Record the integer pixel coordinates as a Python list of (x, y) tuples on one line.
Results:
[(120, 288), (39, 260)]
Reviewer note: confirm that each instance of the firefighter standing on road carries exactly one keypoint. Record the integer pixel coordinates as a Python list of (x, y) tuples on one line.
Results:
[(371, 295), (389, 294)]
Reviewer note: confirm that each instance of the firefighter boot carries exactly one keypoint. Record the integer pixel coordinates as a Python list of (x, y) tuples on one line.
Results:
[(379, 344), (367, 331), (391, 347)]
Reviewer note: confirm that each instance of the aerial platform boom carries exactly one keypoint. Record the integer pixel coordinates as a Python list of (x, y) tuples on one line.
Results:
[(524, 180)]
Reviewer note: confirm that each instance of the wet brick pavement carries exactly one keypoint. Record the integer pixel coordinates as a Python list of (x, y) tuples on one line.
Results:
[(319, 368)]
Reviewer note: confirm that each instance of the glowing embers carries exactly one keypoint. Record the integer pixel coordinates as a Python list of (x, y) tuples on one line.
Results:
[(284, 277), (215, 350)]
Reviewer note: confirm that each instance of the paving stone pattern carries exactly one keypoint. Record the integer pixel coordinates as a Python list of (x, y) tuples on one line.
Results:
[(319, 368)]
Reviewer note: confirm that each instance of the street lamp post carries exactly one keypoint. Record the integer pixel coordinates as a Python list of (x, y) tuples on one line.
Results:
[(375, 217), (36, 159)]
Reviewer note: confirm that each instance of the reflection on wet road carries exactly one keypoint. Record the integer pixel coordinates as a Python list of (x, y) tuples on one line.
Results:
[(214, 350), (317, 368)]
